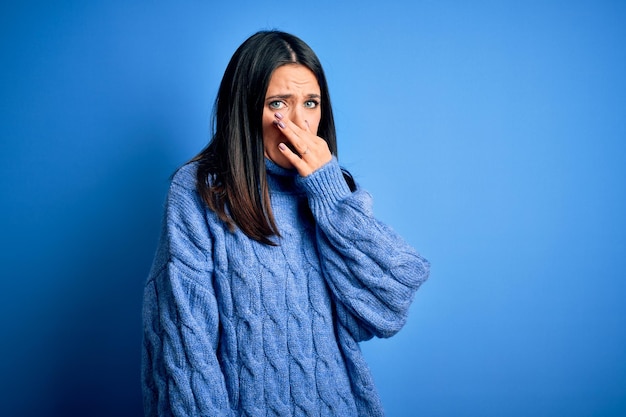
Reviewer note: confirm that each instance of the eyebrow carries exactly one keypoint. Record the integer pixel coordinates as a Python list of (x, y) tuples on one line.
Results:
[(286, 96)]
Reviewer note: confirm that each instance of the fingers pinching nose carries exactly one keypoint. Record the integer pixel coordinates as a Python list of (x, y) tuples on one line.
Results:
[(278, 122)]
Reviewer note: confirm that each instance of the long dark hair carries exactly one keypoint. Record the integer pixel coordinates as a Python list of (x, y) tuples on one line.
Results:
[(231, 175)]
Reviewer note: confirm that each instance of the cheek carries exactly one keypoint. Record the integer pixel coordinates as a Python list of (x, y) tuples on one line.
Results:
[(314, 127), (269, 130)]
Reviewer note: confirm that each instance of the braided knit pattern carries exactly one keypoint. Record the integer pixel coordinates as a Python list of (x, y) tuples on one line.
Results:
[(233, 327)]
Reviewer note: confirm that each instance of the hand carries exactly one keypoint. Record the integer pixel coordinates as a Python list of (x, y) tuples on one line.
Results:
[(306, 151)]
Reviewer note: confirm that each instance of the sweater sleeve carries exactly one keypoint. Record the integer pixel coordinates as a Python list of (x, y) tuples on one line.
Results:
[(181, 375), (372, 272)]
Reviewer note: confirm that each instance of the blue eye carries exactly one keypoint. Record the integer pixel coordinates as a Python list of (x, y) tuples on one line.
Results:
[(275, 105), (311, 104)]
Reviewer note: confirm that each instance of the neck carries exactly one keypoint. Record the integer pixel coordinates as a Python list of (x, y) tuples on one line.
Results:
[(279, 179)]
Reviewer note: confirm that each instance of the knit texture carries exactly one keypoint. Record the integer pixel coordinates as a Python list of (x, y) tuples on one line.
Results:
[(233, 327)]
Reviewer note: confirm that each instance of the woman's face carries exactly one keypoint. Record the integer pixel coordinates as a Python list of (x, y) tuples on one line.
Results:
[(294, 92)]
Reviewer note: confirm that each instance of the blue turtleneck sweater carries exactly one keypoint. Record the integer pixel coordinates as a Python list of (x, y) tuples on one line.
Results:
[(233, 327)]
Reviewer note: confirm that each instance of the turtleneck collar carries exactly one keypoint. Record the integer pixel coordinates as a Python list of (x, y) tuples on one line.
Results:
[(281, 180), (275, 169)]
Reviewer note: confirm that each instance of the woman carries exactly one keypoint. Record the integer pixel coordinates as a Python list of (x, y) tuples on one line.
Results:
[(271, 269)]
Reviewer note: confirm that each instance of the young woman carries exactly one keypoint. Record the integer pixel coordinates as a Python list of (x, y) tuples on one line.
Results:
[(271, 267)]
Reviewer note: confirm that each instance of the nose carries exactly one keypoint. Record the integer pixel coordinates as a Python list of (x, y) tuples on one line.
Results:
[(297, 116)]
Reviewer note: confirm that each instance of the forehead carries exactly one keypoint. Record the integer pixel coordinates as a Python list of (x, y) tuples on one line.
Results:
[(293, 78)]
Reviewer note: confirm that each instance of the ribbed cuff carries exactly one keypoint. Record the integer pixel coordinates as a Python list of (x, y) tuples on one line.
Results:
[(326, 186)]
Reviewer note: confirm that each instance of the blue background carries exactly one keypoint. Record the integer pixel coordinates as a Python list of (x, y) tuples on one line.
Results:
[(491, 134)]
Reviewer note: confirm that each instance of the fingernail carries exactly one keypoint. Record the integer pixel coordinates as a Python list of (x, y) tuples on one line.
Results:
[(278, 115), (282, 146), (281, 125)]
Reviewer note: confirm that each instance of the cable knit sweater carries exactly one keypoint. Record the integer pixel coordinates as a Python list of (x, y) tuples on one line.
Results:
[(233, 327)]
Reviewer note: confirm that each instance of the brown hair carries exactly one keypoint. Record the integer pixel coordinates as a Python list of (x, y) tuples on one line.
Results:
[(231, 175)]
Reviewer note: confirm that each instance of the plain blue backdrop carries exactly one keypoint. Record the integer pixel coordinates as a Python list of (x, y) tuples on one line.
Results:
[(492, 135)]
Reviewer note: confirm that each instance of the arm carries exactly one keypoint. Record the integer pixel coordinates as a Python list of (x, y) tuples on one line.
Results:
[(372, 271), (181, 375)]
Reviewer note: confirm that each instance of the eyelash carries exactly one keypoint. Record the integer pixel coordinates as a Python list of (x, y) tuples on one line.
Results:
[(277, 105), (315, 103)]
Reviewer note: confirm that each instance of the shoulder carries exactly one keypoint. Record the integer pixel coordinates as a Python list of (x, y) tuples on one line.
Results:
[(183, 194), (186, 214), (184, 202), (185, 176)]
